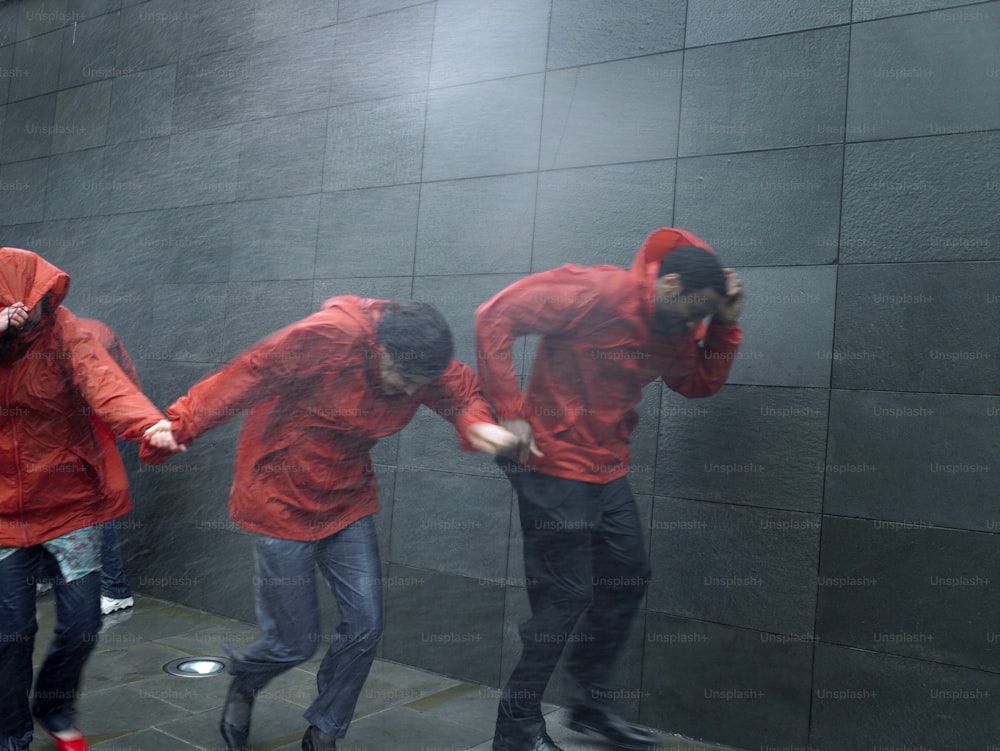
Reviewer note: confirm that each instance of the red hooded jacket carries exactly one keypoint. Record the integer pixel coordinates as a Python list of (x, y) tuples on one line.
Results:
[(62, 400), (313, 408), (598, 348)]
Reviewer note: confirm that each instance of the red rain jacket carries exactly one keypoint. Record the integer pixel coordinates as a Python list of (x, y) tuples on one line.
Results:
[(313, 408), (598, 348), (62, 400)]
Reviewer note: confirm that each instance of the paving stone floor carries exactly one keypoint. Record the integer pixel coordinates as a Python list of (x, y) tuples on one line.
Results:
[(130, 704)]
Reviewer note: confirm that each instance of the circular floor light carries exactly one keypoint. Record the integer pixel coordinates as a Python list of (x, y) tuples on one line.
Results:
[(195, 667)]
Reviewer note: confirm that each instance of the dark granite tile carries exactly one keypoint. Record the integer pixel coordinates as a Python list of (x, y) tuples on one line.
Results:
[(725, 685), (593, 31), (81, 117), (867, 10), (309, 62), (282, 156), (204, 167), (478, 41), (922, 199), (754, 568), (457, 297), (141, 106), (274, 239), (186, 324), (72, 188), (353, 9), (446, 522), (489, 128), (88, 51), (787, 326), (717, 21), (367, 232), (135, 175), (380, 288), (215, 27), (910, 589), (7, 70), (896, 456), (764, 208), (209, 90), (28, 129), (865, 700), (382, 56), (600, 215), (285, 301), (8, 24), (38, 57), (37, 17), (402, 727), (624, 111), (781, 91), (150, 35), (925, 306), (430, 442), (375, 143), (476, 226), (746, 445), (92, 8), (22, 187), (925, 74), (450, 624), (284, 18), (193, 244)]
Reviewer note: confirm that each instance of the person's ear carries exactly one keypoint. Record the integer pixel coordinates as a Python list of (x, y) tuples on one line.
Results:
[(668, 285)]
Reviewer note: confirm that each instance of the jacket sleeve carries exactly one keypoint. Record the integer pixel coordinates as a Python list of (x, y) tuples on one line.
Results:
[(455, 396), (701, 369), (107, 391), (296, 352), (550, 302)]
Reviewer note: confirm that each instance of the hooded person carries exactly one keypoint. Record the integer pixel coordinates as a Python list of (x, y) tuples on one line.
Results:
[(315, 398), (63, 401), (604, 333)]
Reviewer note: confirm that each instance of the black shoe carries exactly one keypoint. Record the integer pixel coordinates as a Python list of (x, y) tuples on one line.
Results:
[(612, 726), (316, 740), (538, 743), (235, 723)]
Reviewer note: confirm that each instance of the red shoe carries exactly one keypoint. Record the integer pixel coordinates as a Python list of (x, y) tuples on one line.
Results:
[(77, 744)]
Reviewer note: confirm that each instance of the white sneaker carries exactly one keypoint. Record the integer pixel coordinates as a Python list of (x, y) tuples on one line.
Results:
[(111, 604)]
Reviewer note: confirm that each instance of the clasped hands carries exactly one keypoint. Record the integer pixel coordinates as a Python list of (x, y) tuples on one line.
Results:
[(161, 436)]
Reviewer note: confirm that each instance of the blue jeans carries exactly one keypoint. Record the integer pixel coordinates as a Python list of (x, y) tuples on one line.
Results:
[(78, 621), (288, 614), (113, 581)]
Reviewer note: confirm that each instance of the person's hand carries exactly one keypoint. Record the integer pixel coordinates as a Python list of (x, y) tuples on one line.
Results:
[(13, 316), (491, 439), (732, 304), (525, 446), (161, 436)]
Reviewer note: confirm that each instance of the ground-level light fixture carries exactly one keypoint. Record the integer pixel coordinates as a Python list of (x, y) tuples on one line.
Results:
[(196, 667)]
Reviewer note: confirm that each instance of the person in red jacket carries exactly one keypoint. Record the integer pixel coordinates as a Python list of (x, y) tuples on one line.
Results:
[(316, 396), (63, 401), (605, 332)]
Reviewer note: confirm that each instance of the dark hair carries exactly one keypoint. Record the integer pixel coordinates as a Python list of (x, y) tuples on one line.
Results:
[(417, 338), (697, 268)]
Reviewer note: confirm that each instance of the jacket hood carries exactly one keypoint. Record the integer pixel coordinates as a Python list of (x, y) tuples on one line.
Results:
[(646, 265), (28, 278)]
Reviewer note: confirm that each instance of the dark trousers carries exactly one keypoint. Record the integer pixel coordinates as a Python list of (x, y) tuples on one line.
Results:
[(288, 614), (78, 622), (586, 567)]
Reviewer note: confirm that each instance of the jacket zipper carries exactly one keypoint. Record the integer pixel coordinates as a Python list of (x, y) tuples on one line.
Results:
[(17, 460)]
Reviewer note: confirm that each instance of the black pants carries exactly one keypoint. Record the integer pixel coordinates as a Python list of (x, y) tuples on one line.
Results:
[(584, 555)]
